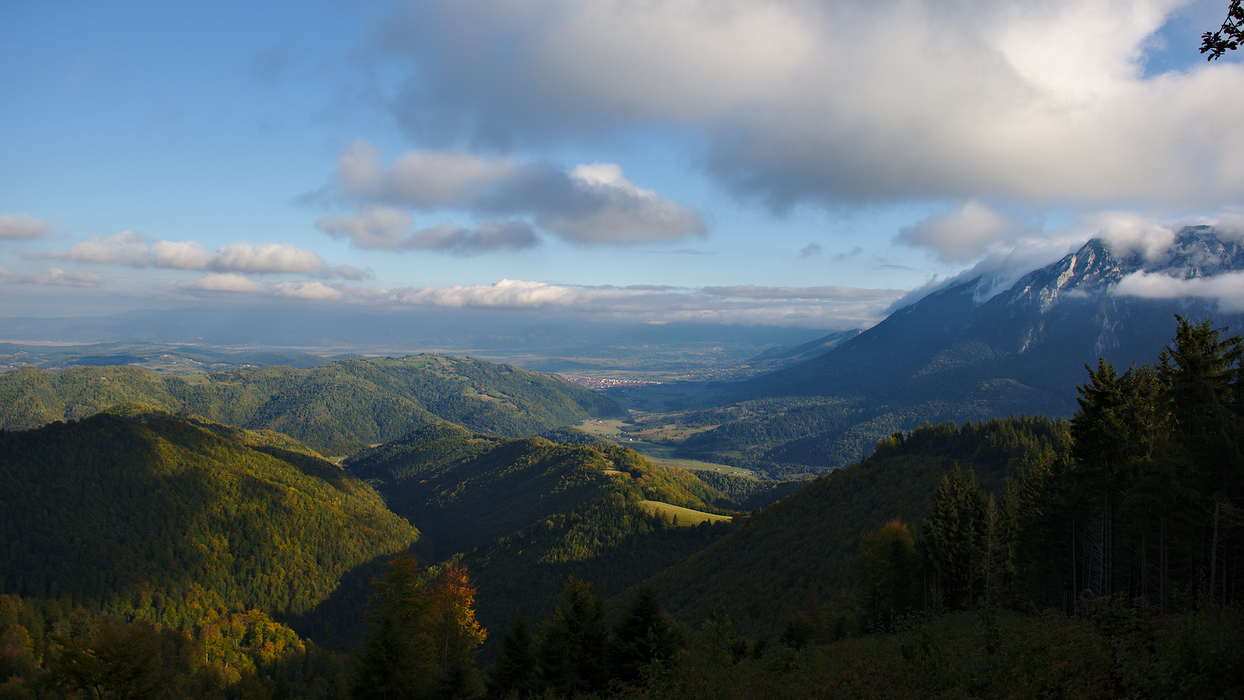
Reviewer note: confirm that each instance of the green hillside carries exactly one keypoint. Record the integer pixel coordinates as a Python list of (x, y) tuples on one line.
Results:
[(336, 408), (528, 513), (138, 510), (763, 569)]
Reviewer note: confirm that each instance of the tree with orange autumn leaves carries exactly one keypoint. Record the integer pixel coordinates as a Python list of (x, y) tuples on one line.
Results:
[(424, 635)]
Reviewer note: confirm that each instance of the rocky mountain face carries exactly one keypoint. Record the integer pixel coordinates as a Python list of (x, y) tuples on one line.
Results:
[(1038, 333)]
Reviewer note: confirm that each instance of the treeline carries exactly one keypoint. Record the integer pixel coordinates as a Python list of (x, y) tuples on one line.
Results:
[(337, 408), (1143, 505)]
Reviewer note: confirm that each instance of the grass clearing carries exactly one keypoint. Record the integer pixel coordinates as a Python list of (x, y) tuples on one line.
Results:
[(686, 516)]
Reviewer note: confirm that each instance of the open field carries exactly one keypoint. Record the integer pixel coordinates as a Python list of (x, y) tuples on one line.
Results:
[(652, 439), (686, 516), (697, 464)]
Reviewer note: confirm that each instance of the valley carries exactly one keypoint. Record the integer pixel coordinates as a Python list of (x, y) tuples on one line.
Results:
[(1055, 462)]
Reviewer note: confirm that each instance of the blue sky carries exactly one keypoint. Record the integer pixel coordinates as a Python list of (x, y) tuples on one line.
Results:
[(787, 162)]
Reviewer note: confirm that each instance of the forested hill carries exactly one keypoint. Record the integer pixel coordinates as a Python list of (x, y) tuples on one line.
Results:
[(464, 489), (764, 569), (138, 512), (336, 408), (528, 513)]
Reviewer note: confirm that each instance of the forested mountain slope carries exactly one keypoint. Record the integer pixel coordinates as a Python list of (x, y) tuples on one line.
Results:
[(763, 570), (528, 513), (136, 510), (336, 408)]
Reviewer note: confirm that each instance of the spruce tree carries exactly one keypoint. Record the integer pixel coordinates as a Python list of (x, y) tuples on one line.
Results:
[(574, 643), (514, 672), (642, 635)]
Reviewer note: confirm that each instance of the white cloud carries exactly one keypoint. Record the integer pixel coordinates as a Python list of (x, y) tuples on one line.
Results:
[(22, 226), (859, 100), (504, 294), (1128, 231), (591, 203), (133, 250), (270, 257), (962, 234), (124, 248), (179, 255), (224, 282), (305, 290), (393, 229), (57, 277), (1227, 289), (370, 226)]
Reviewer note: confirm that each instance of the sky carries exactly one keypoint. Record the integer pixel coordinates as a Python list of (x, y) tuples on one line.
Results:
[(771, 162)]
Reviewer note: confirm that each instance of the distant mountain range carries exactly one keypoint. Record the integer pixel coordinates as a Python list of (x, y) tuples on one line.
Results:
[(959, 354), (336, 408), (207, 338)]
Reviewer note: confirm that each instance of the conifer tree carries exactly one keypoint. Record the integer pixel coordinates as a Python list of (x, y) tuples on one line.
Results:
[(574, 642), (423, 637), (398, 659), (641, 635), (952, 539), (514, 672)]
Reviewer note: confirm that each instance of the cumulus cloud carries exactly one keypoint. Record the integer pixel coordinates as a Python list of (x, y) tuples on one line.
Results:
[(229, 282), (591, 203), (134, 250), (22, 226), (224, 282), (962, 234), (820, 307), (270, 257), (861, 100), (57, 277), (306, 290), (393, 229)]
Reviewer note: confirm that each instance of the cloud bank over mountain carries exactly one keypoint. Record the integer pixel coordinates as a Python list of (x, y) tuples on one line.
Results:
[(843, 102)]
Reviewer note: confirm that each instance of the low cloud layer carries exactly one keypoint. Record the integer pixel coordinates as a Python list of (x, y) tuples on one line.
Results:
[(1044, 104), (229, 283), (1227, 289), (135, 250), (592, 204), (56, 277), (22, 226), (815, 307)]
